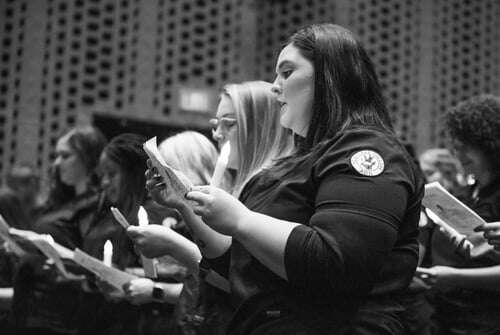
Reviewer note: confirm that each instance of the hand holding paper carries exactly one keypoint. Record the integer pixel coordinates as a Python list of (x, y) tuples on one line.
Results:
[(175, 183), (457, 216), (450, 210), (491, 232), (111, 275)]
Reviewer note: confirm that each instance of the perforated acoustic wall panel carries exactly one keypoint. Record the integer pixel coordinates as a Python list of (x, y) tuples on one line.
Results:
[(12, 24), (63, 61), (277, 20), (198, 45), (466, 55), (390, 30), (128, 58)]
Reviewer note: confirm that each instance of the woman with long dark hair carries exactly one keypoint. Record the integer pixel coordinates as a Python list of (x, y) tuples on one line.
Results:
[(43, 303), (324, 240), (73, 184)]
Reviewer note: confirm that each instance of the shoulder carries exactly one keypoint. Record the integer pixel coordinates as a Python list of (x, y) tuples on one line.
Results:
[(365, 152)]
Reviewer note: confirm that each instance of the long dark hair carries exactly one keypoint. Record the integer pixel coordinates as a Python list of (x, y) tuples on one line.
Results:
[(347, 92), (88, 143), (126, 151), (346, 89)]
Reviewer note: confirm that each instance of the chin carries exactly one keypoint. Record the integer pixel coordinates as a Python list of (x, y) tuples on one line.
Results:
[(284, 122)]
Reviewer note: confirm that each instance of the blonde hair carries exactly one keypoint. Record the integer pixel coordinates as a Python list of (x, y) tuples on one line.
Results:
[(192, 153), (260, 135)]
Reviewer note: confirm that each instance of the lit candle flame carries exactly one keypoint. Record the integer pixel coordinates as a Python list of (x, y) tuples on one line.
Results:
[(224, 152), (220, 166), (108, 253), (142, 215)]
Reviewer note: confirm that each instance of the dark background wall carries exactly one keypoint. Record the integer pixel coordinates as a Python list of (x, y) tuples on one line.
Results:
[(157, 65)]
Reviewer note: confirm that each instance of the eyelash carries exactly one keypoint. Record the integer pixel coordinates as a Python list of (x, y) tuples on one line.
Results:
[(286, 73)]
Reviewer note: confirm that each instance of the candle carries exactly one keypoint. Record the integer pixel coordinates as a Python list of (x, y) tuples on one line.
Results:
[(220, 166), (108, 253), (148, 264)]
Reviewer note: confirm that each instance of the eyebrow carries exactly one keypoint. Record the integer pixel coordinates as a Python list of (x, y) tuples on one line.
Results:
[(228, 115)]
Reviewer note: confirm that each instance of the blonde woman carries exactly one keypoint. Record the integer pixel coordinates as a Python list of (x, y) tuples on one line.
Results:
[(248, 118)]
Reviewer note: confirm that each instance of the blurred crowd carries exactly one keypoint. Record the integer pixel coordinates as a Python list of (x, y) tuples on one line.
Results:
[(450, 286)]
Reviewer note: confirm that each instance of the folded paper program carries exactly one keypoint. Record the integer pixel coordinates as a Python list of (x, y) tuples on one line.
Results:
[(450, 210), (112, 276), (31, 236), (170, 176)]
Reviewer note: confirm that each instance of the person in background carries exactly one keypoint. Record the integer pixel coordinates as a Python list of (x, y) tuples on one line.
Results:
[(106, 310), (25, 181), (195, 156), (313, 246), (43, 303), (74, 185), (247, 119), (466, 298), (13, 212), (438, 165)]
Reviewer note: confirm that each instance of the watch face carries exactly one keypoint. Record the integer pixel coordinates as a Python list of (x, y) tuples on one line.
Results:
[(157, 292)]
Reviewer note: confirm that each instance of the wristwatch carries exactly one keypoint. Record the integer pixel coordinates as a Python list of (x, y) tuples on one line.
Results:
[(158, 293)]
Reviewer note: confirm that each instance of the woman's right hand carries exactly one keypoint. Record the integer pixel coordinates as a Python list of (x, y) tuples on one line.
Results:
[(151, 240), (162, 191), (158, 189)]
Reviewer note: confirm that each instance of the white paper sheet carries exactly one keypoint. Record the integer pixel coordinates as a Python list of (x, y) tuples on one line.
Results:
[(113, 276), (168, 174), (450, 210)]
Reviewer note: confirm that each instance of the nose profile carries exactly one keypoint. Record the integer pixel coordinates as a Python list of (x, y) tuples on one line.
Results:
[(217, 135), (56, 161), (276, 88)]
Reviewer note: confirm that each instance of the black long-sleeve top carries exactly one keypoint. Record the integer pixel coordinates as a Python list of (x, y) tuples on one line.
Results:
[(358, 202)]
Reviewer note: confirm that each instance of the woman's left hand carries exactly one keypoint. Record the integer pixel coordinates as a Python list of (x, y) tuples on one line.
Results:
[(139, 291), (438, 276), (218, 209)]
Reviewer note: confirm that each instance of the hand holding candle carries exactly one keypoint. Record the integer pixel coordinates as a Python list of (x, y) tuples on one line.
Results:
[(148, 264)]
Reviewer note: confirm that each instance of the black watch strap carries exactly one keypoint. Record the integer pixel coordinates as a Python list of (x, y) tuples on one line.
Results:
[(158, 293)]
